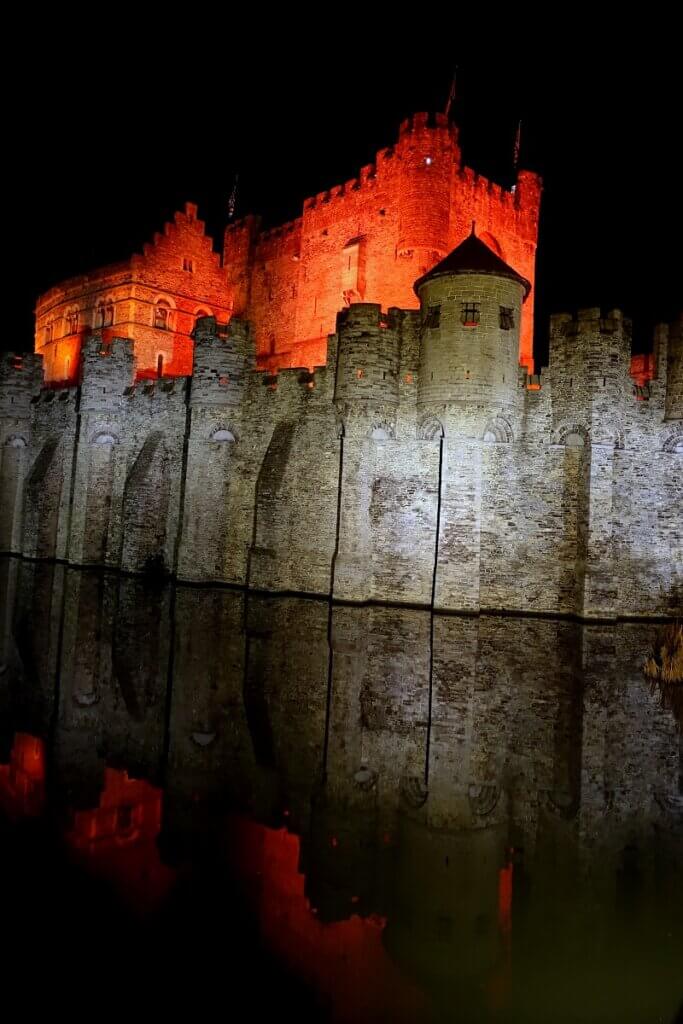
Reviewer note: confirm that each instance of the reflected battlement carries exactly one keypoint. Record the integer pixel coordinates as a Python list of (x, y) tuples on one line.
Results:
[(427, 803)]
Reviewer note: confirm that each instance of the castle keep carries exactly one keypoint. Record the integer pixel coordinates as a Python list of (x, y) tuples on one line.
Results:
[(422, 463), (365, 241)]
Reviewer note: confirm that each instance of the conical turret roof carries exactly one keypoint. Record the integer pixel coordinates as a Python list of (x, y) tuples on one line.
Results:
[(472, 257)]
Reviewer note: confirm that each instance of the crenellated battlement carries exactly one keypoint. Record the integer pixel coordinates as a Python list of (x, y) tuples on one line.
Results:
[(589, 322), (436, 123), (21, 378), (296, 416)]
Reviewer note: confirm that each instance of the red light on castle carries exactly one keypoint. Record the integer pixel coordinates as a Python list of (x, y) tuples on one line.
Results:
[(22, 781)]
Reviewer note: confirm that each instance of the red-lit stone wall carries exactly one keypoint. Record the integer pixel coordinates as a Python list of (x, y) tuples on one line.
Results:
[(365, 241), (154, 299), (371, 238)]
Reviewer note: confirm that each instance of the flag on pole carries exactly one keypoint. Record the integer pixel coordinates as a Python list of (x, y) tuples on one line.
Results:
[(232, 201), (451, 96), (518, 139)]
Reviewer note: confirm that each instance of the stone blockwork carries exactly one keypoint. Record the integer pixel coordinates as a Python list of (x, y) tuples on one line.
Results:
[(420, 466), (153, 299), (366, 240), (370, 238)]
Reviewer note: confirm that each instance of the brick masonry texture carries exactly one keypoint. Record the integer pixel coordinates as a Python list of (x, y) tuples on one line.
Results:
[(365, 241), (557, 494)]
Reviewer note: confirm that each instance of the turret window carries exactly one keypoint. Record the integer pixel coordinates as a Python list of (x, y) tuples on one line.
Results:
[(432, 317), (507, 318), (470, 314)]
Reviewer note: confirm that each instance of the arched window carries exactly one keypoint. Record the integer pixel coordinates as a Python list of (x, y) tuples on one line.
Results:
[(574, 440), (162, 315), (201, 314), (430, 429), (104, 315), (48, 333), (380, 434), (497, 431), (72, 321), (226, 436)]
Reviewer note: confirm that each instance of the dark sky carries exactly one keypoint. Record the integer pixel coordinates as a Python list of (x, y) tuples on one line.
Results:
[(104, 151)]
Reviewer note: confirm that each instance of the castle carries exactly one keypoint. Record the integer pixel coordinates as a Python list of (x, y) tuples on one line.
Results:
[(192, 411)]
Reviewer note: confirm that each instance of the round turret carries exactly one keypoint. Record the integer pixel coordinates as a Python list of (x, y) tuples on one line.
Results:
[(469, 364)]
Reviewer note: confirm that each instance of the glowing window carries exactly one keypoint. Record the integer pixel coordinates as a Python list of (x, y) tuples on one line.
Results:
[(470, 315), (226, 436), (188, 265), (72, 322)]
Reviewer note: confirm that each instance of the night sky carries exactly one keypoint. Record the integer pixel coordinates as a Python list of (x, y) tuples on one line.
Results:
[(105, 151)]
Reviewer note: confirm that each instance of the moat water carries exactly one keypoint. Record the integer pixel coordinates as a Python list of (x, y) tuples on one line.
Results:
[(214, 803)]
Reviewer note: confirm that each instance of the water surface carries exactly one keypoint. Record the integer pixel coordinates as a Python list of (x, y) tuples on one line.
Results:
[(253, 805)]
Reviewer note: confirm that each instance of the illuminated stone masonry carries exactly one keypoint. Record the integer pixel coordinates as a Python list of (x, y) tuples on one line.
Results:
[(364, 241), (421, 465)]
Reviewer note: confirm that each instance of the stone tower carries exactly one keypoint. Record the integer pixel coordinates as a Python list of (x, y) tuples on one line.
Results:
[(469, 380)]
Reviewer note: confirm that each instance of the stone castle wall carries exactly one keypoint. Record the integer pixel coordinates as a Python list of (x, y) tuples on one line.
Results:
[(366, 240), (154, 299), (566, 497), (369, 239)]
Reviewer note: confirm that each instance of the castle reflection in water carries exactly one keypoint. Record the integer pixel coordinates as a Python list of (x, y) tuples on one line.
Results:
[(428, 812)]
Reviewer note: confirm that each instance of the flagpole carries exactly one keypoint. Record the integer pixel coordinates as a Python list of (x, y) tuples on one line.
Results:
[(232, 199), (515, 155), (451, 95)]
